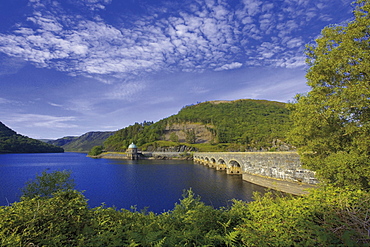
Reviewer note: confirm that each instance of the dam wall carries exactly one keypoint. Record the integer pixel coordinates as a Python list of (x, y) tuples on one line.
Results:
[(277, 170)]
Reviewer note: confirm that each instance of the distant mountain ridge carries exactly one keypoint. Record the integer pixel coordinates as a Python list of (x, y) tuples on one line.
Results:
[(82, 143), (11, 142)]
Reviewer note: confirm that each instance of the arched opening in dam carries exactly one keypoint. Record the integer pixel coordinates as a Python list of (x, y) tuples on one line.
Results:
[(212, 163), (221, 165), (234, 167)]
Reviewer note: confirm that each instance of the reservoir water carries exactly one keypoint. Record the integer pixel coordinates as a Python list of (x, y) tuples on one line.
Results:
[(155, 184)]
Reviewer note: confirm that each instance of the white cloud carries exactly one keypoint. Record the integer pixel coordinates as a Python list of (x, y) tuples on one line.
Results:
[(200, 90), (291, 62), (234, 65), (54, 104), (45, 23), (126, 91), (92, 4), (295, 42), (47, 121), (206, 35), (252, 6), (4, 101), (10, 65)]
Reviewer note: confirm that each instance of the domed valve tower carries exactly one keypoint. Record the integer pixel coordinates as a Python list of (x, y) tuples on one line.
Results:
[(132, 152)]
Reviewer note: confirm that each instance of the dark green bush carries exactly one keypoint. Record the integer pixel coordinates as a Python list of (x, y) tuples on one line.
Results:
[(96, 150)]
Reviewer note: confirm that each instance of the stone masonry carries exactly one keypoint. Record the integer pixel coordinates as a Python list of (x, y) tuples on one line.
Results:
[(279, 167)]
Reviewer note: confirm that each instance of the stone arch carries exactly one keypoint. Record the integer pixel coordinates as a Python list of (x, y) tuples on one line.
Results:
[(202, 161), (196, 159), (211, 162), (221, 164), (207, 162), (234, 167), (221, 161)]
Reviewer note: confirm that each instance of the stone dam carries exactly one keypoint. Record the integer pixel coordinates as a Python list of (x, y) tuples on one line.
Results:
[(280, 171)]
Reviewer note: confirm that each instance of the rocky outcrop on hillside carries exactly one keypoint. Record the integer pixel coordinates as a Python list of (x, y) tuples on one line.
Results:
[(181, 132)]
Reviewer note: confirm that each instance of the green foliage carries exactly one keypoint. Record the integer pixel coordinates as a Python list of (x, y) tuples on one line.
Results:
[(11, 142), (174, 137), (58, 221), (46, 184), (96, 150), (5, 131), (157, 144), (192, 223), (326, 217), (252, 123), (190, 136), (332, 121), (137, 133), (215, 147), (280, 222)]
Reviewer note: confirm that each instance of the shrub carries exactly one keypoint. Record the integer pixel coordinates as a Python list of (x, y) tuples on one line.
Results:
[(46, 184)]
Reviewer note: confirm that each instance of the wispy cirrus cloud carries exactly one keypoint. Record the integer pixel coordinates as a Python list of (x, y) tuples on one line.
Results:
[(233, 65), (4, 101), (38, 120), (125, 91), (10, 65)]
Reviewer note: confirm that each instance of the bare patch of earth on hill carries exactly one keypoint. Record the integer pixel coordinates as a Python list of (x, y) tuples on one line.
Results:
[(202, 132)]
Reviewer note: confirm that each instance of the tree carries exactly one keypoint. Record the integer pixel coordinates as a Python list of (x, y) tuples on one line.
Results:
[(190, 136), (174, 137), (48, 183), (332, 121), (96, 150)]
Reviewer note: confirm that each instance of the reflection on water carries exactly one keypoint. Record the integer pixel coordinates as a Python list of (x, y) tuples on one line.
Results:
[(155, 184)]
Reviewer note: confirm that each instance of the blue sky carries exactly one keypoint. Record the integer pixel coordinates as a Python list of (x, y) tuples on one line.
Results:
[(72, 66)]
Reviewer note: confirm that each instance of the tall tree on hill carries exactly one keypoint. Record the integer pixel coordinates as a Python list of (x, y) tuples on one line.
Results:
[(332, 121)]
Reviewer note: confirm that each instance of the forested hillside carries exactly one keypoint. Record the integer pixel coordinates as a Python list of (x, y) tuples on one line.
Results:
[(82, 143), (11, 142), (251, 123)]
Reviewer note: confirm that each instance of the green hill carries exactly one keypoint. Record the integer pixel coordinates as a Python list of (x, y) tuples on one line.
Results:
[(11, 142), (241, 125), (82, 143)]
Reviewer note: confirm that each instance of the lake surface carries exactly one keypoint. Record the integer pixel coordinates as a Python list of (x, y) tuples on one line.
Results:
[(156, 184)]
